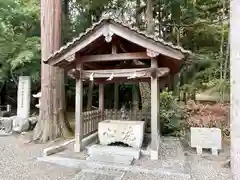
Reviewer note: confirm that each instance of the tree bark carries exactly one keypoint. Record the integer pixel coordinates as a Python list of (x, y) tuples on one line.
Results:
[(145, 87), (235, 88), (138, 18), (149, 17), (52, 121)]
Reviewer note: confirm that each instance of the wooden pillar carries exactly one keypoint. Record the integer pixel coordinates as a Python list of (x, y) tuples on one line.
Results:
[(78, 113), (135, 97), (90, 94), (101, 100), (116, 85), (155, 124), (116, 96)]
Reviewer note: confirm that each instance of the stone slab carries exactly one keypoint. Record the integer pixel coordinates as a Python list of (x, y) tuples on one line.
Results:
[(92, 176), (116, 150), (3, 133), (144, 176), (7, 124), (53, 150), (115, 159), (20, 124), (128, 132), (110, 173), (208, 138), (88, 174), (83, 164)]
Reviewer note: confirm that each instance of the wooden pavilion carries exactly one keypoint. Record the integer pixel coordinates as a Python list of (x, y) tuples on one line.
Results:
[(110, 52)]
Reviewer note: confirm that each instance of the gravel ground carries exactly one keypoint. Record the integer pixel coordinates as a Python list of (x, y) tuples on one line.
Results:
[(18, 162), (208, 168), (171, 156), (143, 176)]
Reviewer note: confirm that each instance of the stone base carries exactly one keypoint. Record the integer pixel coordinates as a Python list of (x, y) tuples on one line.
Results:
[(115, 159), (77, 147), (127, 132), (53, 150), (113, 150), (154, 155)]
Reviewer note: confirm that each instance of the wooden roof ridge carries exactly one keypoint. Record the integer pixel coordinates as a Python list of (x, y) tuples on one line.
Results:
[(109, 20)]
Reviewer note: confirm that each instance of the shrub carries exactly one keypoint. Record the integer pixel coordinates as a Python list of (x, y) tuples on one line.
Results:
[(172, 114)]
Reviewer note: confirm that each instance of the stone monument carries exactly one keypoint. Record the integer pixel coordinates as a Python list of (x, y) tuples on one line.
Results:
[(23, 97), (20, 122), (206, 138)]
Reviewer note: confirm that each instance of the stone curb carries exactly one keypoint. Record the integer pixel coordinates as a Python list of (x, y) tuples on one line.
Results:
[(58, 148)]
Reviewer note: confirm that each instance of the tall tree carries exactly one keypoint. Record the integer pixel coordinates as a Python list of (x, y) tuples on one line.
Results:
[(145, 87), (235, 84), (149, 17), (52, 121)]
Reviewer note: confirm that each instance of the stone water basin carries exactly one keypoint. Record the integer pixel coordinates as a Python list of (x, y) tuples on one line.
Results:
[(127, 132)]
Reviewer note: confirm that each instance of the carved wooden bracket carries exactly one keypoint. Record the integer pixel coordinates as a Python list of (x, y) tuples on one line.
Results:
[(108, 35), (74, 73), (151, 53), (70, 58)]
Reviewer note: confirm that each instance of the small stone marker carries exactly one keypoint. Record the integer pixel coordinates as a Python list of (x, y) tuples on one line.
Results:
[(23, 101), (207, 138)]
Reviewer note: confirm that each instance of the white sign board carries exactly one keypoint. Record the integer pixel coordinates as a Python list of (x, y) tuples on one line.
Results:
[(23, 96), (209, 138)]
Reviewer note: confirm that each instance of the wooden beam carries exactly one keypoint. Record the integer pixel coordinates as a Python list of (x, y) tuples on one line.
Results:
[(138, 39), (115, 57), (114, 48), (162, 80), (92, 66), (120, 73), (143, 72), (103, 67), (120, 80), (70, 67), (69, 52)]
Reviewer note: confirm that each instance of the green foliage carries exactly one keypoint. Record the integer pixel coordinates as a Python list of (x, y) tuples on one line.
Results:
[(19, 39), (196, 25), (172, 114)]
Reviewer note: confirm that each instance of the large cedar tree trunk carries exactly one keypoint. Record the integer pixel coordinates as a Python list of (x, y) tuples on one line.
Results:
[(53, 120), (149, 17), (145, 87)]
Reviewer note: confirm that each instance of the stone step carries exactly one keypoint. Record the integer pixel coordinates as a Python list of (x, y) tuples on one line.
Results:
[(115, 159), (164, 173), (93, 176), (144, 176), (113, 150), (88, 174)]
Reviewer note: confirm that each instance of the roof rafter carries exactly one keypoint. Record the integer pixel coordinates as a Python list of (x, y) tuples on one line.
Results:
[(108, 28)]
